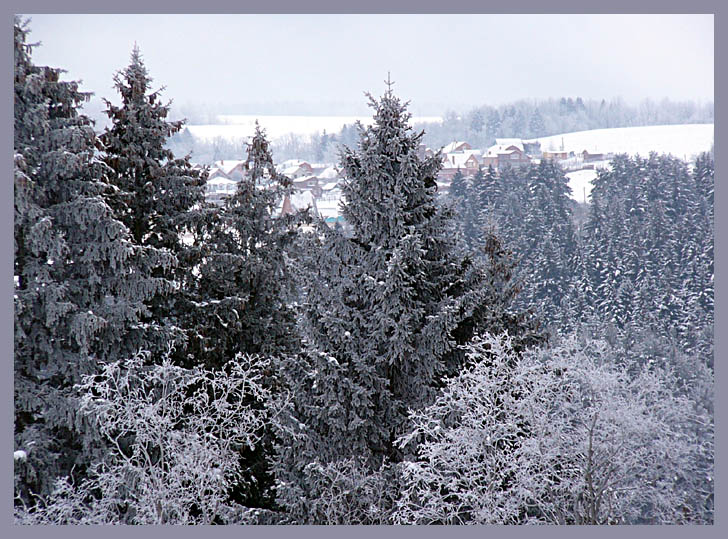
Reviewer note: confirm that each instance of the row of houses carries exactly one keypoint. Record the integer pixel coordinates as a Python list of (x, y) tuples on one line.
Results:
[(460, 155), (316, 185), (318, 179), (513, 152)]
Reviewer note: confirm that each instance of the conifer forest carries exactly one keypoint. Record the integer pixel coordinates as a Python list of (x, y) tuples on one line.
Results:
[(499, 354)]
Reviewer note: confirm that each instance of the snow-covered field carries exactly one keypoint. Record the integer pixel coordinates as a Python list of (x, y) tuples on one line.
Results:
[(682, 141), (236, 126), (580, 183)]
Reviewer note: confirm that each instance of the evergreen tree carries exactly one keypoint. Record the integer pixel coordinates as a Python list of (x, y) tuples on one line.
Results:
[(477, 122), (160, 198), (465, 207), (645, 238), (544, 238), (458, 186), (239, 300), (518, 124), (536, 124), (240, 293), (493, 124), (488, 187), (701, 277), (78, 292), (385, 311)]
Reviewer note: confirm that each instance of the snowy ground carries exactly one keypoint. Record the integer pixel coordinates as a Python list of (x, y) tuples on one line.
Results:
[(235, 126), (580, 183), (682, 141)]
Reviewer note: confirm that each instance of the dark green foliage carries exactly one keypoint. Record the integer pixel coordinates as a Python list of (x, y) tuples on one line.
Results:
[(239, 297), (239, 294), (386, 309), (78, 293), (458, 187), (160, 198)]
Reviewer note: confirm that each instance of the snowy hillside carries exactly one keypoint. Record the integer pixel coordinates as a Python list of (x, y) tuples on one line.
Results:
[(235, 126), (682, 141)]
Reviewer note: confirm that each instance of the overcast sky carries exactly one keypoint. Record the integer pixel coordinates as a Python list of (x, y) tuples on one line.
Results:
[(436, 61)]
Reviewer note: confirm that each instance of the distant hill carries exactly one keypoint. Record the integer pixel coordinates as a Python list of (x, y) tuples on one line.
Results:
[(683, 141), (241, 126)]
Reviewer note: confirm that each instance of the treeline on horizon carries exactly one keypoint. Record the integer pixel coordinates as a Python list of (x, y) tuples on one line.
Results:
[(481, 358), (480, 126)]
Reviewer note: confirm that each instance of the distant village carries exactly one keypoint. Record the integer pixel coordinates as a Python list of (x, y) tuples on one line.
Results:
[(316, 185)]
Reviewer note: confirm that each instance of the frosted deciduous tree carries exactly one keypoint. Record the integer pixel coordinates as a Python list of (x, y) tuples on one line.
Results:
[(466, 442), (564, 436), (173, 435), (610, 446)]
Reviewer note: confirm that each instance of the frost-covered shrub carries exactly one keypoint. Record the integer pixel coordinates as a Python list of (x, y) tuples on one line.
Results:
[(609, 446), (173, 437), (562, 436), (345, 492), (466, 443)]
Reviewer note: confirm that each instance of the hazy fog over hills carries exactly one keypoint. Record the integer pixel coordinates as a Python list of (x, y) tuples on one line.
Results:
[(323, 64)]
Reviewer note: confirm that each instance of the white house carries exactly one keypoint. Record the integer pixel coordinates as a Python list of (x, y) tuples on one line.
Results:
[(232, 168), (457, 146), (218, 188)]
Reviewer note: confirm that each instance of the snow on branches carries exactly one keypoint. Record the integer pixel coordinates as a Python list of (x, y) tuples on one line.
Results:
[(565, 436), (173, 436)]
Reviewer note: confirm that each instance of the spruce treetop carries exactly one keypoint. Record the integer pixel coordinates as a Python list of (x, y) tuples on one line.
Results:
[(133, 81), (388, 188)]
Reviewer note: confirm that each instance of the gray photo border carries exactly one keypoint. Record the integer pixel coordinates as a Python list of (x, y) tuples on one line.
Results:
[(372, 6)]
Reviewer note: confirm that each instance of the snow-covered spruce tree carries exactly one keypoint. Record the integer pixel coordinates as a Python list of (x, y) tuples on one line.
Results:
[(78, 295), (699, 276), (509, 203), (547, 244), (239, 299), (384, 310), (650, 223), (604, 445), (486, 193), (159, 197), (242, 287), (464, 196)]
